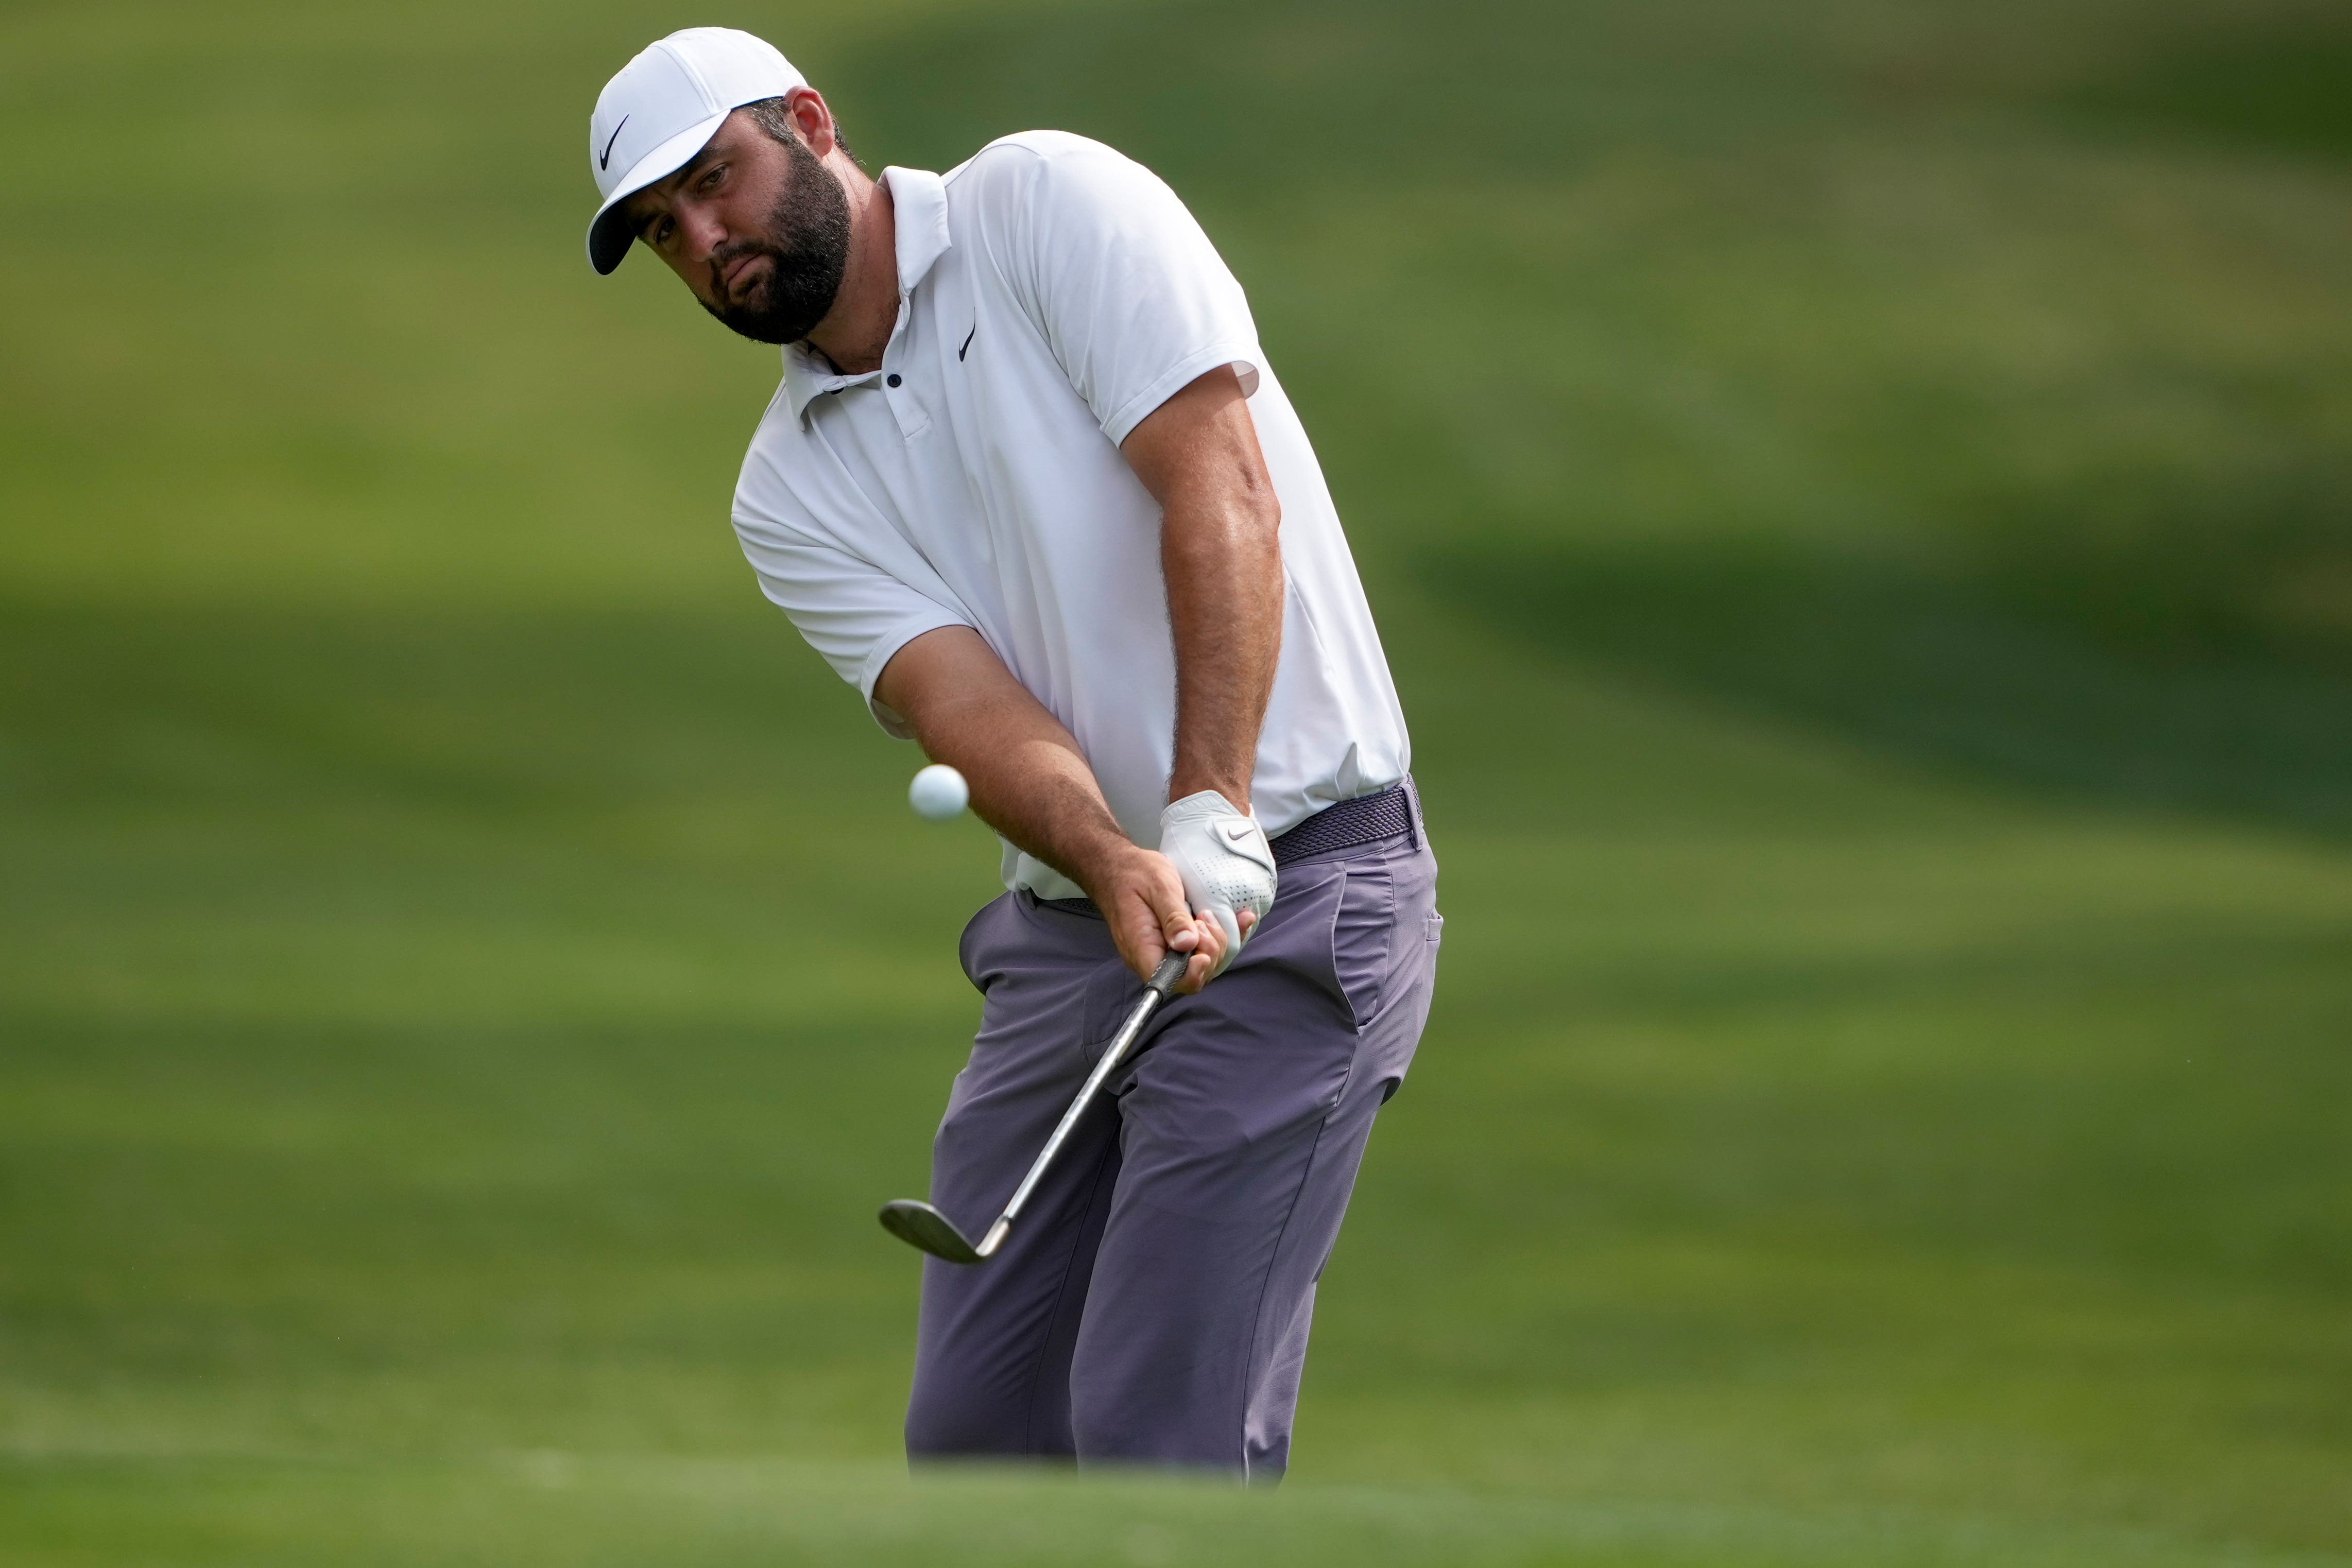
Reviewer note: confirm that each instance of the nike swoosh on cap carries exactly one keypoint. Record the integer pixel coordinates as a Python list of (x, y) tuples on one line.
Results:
[(605, 158)]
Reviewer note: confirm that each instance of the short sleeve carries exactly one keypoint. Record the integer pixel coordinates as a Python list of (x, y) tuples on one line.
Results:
[(1131, 297), (853, 610)]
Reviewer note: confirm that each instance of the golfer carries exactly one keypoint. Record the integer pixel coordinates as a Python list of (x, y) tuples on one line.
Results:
[(1030, 487)]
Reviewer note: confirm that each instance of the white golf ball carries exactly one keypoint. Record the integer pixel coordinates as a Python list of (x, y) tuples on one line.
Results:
[(939, 792)]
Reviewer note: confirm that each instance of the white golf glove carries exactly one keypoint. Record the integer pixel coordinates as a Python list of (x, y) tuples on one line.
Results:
[(1225, 859)]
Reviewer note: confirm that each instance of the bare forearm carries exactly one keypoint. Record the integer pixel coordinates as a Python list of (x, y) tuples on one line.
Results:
[(1039, 793), (1220, 553), (1222, 559), (1029, 780), (1030, 783)]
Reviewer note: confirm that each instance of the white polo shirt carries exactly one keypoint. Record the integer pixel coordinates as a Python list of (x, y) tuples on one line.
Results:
[(1052, 294)]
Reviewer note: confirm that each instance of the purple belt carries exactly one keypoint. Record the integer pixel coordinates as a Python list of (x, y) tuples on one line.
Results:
[(1349, 824)]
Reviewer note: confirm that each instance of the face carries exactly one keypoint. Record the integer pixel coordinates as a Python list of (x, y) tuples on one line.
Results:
[(758, 229)]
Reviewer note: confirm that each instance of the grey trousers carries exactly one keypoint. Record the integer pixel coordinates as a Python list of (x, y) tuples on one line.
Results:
[(1154, 1304)]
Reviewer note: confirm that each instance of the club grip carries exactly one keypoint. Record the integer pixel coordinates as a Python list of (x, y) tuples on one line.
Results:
[(1171, 970)]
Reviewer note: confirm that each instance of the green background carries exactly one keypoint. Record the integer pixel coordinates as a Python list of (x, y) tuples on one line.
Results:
[(1859, 500)]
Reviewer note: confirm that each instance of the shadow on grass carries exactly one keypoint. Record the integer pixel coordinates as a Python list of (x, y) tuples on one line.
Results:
[(2282, 90), (2018, 681)]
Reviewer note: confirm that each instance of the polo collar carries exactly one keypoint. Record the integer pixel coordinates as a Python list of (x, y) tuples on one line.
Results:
[(919, 215), (918, 208)]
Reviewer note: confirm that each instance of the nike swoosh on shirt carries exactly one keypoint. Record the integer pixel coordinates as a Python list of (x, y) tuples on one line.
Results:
[(967, 337), (605, 158)]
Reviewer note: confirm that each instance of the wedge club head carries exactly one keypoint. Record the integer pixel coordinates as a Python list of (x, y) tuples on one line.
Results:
[(921, 1225), (918, 1224)]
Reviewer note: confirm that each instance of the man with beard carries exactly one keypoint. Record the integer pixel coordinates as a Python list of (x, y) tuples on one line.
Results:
[(1030, 487)]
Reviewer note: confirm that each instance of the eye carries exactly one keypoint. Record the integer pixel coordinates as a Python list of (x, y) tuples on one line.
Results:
[(663, 229), (710, 182)]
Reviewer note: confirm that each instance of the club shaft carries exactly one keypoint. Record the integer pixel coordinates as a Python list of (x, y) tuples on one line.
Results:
[(1170, 970)]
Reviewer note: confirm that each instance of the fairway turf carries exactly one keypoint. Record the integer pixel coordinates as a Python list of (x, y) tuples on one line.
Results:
[(1859, 500)]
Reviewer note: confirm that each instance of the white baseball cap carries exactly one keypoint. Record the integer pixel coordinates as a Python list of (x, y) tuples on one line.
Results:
[(656, 113)]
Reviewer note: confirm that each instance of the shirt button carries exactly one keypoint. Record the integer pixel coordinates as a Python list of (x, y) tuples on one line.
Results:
[(891, 380)]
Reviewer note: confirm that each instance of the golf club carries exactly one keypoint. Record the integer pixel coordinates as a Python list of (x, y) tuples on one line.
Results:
[(918, 1224)]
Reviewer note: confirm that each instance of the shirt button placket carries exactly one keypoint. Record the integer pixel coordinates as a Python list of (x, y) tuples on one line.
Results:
[(905, 406)]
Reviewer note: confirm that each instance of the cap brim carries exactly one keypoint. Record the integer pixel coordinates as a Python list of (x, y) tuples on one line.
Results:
[(609, 234)]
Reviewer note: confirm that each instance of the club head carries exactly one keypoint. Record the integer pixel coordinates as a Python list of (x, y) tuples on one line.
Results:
[(919, 1225)]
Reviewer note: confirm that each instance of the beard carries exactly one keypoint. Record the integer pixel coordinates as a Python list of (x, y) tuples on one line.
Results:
[(806, 243)]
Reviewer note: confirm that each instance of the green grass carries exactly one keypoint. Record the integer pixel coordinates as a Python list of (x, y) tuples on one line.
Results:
[(1858, 498)]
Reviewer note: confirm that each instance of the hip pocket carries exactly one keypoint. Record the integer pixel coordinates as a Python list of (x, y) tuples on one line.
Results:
[(1363, 938)]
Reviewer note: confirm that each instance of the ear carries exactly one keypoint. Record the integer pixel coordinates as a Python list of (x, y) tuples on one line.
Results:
[(813, 119)]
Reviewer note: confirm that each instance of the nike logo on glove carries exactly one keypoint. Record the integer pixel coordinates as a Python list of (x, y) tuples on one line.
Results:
[(605, 158)]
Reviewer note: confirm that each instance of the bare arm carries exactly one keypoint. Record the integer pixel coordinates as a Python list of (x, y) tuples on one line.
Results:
[(1221, 551), (1031, 782)]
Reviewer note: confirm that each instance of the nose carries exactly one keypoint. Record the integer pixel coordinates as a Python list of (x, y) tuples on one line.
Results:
[(701, 230)]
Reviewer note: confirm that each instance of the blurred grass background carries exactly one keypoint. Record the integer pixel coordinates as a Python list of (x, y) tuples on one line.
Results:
[(1859, 496)]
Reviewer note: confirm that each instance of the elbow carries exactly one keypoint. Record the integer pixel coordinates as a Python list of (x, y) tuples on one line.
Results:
[(1257, 510), (1262, 524), (1237, 518)]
